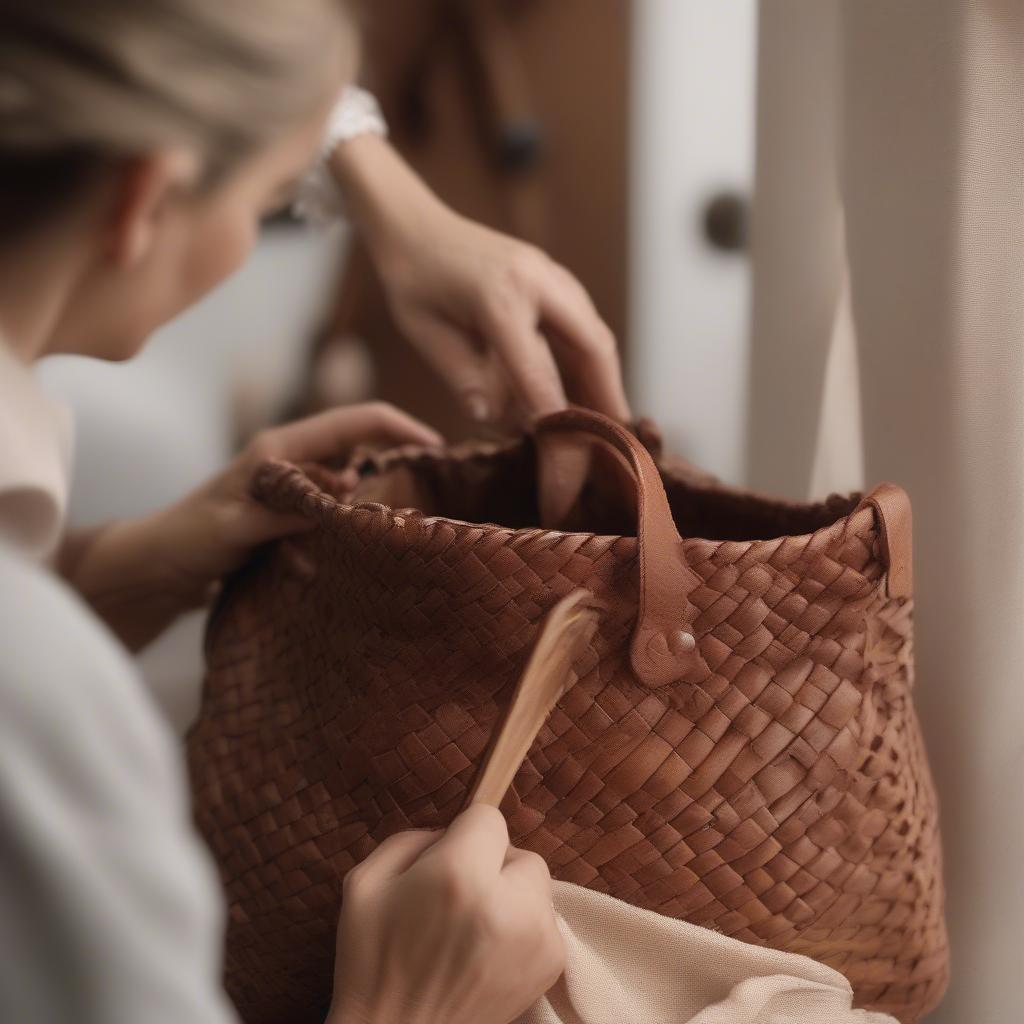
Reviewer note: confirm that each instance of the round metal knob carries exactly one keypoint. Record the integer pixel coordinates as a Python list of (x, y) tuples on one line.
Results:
[(726, 222)]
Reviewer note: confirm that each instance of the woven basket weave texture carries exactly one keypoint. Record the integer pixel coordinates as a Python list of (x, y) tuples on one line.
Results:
[(357, 670)]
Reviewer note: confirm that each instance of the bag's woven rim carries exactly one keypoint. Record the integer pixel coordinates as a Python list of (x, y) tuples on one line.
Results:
[(288, 483)]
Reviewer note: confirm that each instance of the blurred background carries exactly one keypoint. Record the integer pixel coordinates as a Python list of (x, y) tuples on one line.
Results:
[(626, 139)]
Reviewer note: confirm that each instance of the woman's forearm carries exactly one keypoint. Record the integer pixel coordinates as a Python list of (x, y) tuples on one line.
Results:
[(139, 575), (119, 570), (513, 333), (385, 199)]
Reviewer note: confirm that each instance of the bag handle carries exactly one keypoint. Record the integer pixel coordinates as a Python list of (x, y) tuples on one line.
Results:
[(891, 505), (663, 648)]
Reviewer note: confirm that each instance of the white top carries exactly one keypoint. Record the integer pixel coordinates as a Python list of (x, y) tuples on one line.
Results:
[(111, 911), (35, 457)]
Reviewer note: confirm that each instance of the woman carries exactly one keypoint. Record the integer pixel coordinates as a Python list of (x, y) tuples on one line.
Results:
[(141, 141)]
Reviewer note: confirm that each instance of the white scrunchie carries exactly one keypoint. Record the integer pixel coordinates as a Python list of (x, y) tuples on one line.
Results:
[(319, 199)]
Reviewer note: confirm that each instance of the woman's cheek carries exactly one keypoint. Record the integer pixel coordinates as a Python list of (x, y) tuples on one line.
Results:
[(220, 249)]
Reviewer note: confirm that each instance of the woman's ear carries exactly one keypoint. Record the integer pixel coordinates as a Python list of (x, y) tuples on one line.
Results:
[(148, 185)]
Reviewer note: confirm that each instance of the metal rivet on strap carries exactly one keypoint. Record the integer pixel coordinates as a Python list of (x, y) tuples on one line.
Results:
[(681, 642)]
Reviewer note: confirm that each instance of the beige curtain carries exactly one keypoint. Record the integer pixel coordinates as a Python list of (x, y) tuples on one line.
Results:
[(889, 236)]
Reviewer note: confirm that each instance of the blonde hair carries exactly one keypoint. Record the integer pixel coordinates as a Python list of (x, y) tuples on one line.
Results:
[(85, 83)]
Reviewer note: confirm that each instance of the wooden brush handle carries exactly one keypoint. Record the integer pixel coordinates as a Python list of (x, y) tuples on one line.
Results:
[(567, 630)]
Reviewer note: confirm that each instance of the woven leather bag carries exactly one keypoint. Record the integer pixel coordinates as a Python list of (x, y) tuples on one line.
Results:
[(740, 751)]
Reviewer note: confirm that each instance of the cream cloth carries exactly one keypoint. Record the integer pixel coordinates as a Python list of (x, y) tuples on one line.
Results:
[(630, 965)]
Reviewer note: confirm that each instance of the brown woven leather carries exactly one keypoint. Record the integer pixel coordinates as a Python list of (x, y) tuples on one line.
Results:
[(775, 788)]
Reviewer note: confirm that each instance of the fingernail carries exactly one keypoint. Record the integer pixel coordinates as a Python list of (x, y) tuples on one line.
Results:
[(478, 408)]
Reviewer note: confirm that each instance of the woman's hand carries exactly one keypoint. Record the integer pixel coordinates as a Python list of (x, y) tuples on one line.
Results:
[(452, 927), (141, 574), (512, 333)]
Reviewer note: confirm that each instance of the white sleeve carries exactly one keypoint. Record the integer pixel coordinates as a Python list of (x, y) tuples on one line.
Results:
[(319, 199), (111, 913)]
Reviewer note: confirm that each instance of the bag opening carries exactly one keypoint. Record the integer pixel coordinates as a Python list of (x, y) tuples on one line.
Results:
[(498, 485)]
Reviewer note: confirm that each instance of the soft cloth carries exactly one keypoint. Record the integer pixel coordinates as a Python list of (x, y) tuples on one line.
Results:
[(631, 965)]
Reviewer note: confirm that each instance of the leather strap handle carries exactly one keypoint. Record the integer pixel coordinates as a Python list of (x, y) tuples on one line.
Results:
[(891, 505), (663, 648)]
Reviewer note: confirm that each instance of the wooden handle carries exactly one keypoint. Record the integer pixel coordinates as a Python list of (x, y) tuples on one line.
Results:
[(566, 632)]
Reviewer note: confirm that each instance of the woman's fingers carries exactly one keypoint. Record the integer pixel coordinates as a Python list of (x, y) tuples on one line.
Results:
[(529, 867), (585, 361), (396, 854), (563, 468), (585, 346), (331, 432), (477, 841), (523, 352), (468, 372), (246, 523)]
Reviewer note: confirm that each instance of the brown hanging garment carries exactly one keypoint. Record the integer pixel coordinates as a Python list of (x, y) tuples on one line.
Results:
[(740, 749)]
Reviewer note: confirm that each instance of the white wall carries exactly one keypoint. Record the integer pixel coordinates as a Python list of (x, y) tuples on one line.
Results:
[(693, 134)]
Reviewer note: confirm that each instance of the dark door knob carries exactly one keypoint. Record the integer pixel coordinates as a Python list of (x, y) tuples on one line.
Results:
[(726, 221)]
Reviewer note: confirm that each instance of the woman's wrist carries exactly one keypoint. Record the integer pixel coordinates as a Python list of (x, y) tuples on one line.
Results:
[(388, 203)]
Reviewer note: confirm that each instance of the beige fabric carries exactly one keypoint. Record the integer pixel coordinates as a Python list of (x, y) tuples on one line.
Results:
[(629, 965), (925, 164)]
